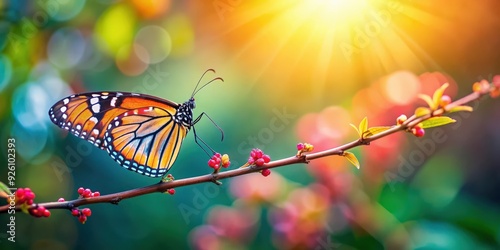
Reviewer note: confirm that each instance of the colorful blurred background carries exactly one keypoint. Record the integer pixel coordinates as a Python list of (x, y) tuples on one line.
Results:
[(293, 71)]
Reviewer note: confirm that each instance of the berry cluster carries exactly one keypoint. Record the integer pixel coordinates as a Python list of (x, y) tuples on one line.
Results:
[(258, 158), (23, 196), (304, 147), (39, 212), (217, 161), (87, 193), (81, 214)]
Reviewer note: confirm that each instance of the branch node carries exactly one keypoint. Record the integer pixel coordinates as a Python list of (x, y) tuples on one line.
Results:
[(214, 179), (116, 200)]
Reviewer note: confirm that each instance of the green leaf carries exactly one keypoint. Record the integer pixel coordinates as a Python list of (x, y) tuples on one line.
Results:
[(421, 111), (427, 99), (352, 158), (437, 121), (363, 126), (355, 128), (436, 98), (460, 108), (375, 130), (4, 190)]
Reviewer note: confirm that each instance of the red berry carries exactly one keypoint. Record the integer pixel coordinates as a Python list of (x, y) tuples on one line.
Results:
[(211, 163), (217, 155), (300, 146), (86, 193), (418, 131), (96, 194), (75, 212), (46, 213), (266, 158), (250, 160), (259, 162), (80, 191), (171, 191), (265, 172), (20, 192), (258, 153), (82, 218), (61, 200), (86, 211), (34, 212), (29, 202)]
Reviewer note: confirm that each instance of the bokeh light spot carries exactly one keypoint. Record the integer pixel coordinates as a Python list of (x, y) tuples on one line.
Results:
[(63, 10), (115, 28), (182, 34), (66, 48), (156, 42), (402, 87), (334, 122), (129, 63), (149, 9)]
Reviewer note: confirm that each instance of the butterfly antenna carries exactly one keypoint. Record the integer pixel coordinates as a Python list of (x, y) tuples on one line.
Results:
[(196, 89)]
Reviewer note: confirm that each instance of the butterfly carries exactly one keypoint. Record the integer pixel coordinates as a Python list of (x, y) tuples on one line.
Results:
[(143, 133)]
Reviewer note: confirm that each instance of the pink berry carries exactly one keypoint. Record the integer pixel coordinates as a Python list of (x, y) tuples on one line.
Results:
[(259, 162), (96, 194), (86, 193), (61, 200), (80, 190), (86, 211), (300, 146), (20, 192), (418, 131), (46, 213), (265, 172), (75, 212), (82, 218), (250, 160), (266, 158)]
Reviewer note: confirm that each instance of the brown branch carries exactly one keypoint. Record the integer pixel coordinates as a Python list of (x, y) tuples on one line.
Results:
[(115, 198)]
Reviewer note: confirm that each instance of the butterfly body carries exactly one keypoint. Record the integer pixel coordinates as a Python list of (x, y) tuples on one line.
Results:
[(142, 133)]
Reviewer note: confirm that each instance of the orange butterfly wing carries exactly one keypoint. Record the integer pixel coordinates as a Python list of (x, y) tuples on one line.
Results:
[(139, 130)]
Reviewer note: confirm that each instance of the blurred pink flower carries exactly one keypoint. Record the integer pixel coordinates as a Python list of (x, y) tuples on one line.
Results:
[(254, 188)]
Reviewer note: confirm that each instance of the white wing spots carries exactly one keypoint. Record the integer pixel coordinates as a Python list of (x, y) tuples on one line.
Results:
[(117, 123), (96, 108), (125, 114), (65, 116), (135, 94), (78, 127), (113, 101), (93, 119), (94, 100), (63, 109), (95, 131), (119, 94), (135, 112), (66, 101), (104, 97), (96, 95)]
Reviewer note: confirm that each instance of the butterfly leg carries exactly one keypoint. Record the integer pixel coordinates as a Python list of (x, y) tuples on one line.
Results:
[(197, 139), (217, 126)]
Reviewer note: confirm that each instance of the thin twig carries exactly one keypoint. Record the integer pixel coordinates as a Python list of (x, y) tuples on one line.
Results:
[(115, 198)]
